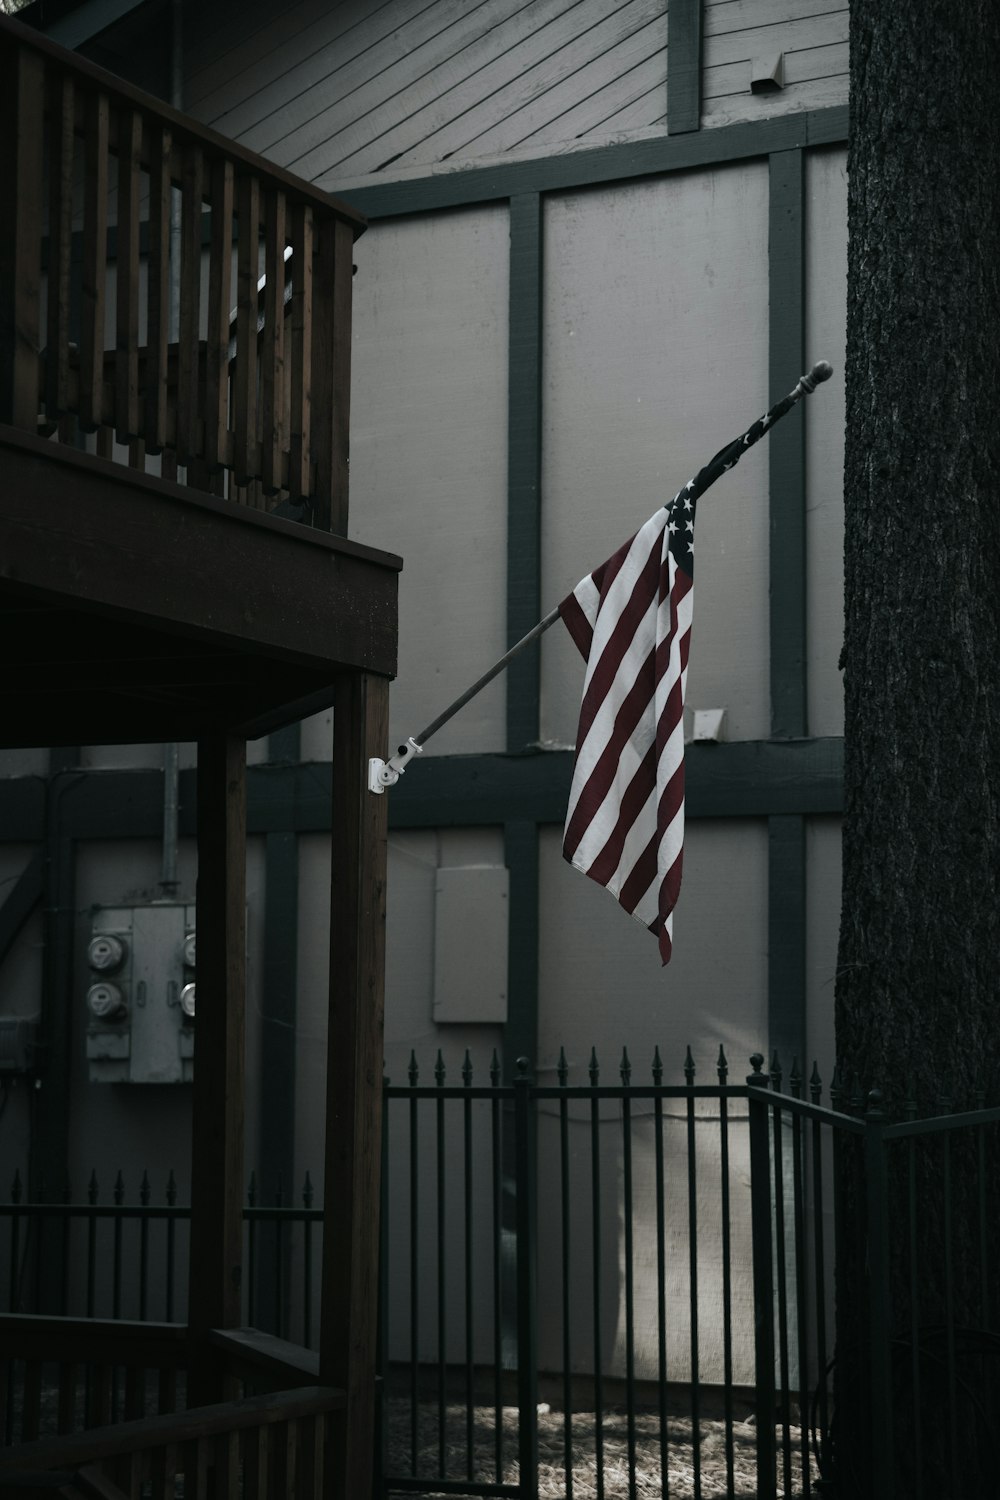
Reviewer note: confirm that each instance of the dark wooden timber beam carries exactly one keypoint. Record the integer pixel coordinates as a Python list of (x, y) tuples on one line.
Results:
[(91, 534), (684, 24), (354, 1073), (218, 1099)]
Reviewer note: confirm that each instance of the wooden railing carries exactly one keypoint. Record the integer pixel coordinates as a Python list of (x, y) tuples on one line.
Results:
[(164, 289), (263, 1445), (105, 1401)]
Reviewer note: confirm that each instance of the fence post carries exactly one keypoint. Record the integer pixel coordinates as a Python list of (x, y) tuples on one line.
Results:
[(382, 1333), (763, 1276), (526, 1219), (881, 1440)]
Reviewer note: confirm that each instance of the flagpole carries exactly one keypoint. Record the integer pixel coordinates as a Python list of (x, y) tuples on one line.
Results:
[(386, 773)]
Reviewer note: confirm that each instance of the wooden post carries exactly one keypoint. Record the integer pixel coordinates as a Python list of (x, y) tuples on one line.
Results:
[(354, 1074), (217, 1106)]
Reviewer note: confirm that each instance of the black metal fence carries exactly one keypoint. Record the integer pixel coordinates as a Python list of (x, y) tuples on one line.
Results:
[(116, 1255), (609, 1288), (619, 1288), (624, 1288)]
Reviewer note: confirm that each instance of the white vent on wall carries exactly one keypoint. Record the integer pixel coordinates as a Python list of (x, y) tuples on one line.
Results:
[(767, 74)]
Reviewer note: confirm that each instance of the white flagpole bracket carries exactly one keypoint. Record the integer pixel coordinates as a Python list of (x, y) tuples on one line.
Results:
[(383, 773)]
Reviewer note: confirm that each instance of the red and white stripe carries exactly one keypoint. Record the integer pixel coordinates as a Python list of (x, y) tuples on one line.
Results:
[(631, 620)]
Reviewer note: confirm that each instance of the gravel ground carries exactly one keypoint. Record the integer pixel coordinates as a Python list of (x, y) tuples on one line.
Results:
[(721, 1474)]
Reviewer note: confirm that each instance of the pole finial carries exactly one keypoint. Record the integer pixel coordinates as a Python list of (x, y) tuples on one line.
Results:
[(821, 370)]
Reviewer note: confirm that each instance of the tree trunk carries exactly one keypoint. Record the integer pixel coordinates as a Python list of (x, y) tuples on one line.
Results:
[(917, 1012)]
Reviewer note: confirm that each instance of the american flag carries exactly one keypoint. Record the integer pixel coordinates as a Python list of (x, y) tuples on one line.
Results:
[(631, 621)]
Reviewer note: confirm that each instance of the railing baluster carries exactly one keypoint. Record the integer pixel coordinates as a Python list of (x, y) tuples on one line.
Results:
[(8, 1368), (565, 1238), (144, 1249), (496, 1142), (442, 1352), (166, 1392), (763, 1276), (95, 259), (801, 1289), (288, 1452), (272, 344), (188, 446), (61, 147), (251, 1223), (195, 1469), (171, 1252), (163, 1472), (127, 276), (331, 404), (782, 1282), (299, 464), (626, 1075), (227, 1467), (116, 1275), (951, 1369), (66, 1407), (722, 1068), (91, 1244), (819, 1261), (21, 178), (279, 1263), (220, 297), (689, 1075), (245, 385), (313, 1457), (255, 1463), (156, 379), (414, 1270), (99, 1406), (32, 1400), (307, 1264), (661, 1276), (13, 1297), (595, 1231), (135, 1388), (469, 1215)]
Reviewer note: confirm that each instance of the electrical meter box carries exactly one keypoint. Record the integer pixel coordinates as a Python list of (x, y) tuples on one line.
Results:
[(139, 993)]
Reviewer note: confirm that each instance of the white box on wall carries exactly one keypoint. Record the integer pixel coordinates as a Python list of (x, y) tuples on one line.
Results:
[(471, 907)]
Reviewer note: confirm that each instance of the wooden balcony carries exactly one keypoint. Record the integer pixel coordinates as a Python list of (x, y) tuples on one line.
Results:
[(175, 320), (175, 328)]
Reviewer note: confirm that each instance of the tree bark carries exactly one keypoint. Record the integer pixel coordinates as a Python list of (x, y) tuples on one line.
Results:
[(917, 1011)]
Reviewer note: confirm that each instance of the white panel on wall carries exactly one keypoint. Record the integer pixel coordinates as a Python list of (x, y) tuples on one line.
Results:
[(429, 457), (826, 316), (656, 349)]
